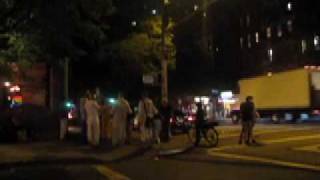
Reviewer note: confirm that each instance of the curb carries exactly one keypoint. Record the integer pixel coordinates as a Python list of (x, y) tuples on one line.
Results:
[(173, 152)]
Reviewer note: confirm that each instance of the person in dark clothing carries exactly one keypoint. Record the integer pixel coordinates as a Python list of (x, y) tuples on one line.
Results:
[(200, 121), (248, 117), (165, 114)]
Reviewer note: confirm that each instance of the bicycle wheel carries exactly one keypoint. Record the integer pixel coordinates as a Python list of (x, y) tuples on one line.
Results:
[(212, 137)]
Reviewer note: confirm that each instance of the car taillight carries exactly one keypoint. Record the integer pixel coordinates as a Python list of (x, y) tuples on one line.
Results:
[(190, 118)]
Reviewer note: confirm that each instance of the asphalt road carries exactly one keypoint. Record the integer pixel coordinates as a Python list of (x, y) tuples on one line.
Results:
[(285, 152)]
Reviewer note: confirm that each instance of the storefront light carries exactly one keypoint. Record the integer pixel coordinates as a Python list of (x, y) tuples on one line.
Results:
[(226, 95)]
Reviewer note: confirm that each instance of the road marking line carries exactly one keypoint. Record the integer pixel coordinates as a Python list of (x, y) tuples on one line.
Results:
[(266, 160), (268, 142), (299, 138), (260, 132), (110, 174), (313, 148)]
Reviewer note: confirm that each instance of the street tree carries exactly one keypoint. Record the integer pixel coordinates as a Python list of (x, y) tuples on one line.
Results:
[(143, 47), (35, 30)]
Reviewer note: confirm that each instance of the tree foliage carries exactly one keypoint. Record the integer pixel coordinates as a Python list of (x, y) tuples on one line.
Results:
[(144, 47), (52, 30)]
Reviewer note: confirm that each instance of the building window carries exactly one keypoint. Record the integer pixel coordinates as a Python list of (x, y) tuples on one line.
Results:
[(248, 20), (270, 54), (289, 24), (289, 6), (257, 38), (154, 11), (241, 42), (195, 7), (269, 33), (204, 14), (249, 41), (316, 42), (303, 46), (279, 31)]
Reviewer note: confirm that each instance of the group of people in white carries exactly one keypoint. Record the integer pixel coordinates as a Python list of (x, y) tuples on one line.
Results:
[(114, 122)]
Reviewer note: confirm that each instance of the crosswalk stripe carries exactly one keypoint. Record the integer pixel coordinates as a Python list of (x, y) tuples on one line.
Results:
[(110, 174), (266, 160)]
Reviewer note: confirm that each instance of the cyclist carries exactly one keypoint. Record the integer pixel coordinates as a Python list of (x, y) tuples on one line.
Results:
[(200, 121)]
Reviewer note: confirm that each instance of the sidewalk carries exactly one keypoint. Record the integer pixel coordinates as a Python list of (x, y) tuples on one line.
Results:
[(64, 152)]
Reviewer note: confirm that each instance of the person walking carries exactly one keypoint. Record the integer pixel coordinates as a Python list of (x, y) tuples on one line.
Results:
[(119, 121), (200, 121), (165, 112), (93, 122), (248, 117), (146, 113)]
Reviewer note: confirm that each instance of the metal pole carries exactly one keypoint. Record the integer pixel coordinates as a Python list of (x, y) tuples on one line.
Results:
[(164, 61), (66, 78)]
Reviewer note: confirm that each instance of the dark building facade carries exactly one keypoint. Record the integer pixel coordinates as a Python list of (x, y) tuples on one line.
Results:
[(251, 37)]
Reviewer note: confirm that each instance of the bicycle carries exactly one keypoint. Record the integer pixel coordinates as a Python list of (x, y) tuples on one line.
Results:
[(212, 135)]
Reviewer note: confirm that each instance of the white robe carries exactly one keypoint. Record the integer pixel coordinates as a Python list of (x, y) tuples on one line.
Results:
[(93, 122), (119, 121)]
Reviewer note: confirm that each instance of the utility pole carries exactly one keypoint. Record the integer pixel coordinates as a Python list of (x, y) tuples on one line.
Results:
[(164, 60), (66, 78), (204, 28)]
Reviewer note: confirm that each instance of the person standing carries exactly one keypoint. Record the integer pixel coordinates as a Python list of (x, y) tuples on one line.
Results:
[(83, 116), (93, 122), (165, 114), (248, 117), (119, 121), (106, 127), (200, 121), (146, 113)]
